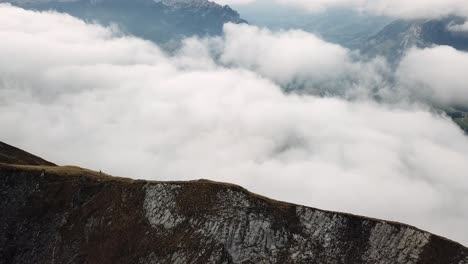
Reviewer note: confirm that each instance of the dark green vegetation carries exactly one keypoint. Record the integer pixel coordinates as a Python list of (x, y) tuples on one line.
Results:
[(54, 214)]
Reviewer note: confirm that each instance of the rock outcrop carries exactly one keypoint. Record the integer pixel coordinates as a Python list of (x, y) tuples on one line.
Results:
[(54, 214)]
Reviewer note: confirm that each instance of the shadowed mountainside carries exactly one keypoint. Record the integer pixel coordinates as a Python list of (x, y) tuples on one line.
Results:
[(13, 155), (71, 215)]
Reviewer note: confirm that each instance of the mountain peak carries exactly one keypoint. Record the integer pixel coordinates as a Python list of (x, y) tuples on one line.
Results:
[(162, 21)]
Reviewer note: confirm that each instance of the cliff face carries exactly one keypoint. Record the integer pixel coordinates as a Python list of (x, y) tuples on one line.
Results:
[(72, 215)]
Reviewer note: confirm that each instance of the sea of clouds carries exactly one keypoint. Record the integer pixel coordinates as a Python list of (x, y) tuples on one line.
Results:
[(82, 94)]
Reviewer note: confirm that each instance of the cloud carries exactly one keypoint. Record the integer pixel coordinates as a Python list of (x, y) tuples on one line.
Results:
[(299, 61), (436, 74), (79, 94), (459, 27), (394, 8), (283, 56)]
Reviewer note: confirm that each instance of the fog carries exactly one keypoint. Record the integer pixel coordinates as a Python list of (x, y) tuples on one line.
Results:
[(437, 74), (414, 9), (459, 27), (81, 94)]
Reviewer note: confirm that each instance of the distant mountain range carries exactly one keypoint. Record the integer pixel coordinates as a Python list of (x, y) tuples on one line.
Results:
[(373, 35), (397, 37), (167, 21), (161, 21), (342, 26)]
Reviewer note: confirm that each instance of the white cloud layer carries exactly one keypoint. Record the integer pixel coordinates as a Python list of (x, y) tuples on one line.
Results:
[(77, 94), (438, 75), (299, 59), (394, 8)]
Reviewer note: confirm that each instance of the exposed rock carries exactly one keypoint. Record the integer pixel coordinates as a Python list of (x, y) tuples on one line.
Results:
[(72, 215)]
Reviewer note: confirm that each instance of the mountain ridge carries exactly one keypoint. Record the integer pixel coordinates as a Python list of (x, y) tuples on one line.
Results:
[(163, 22), (69, 214), (13, 155), (400, 35)]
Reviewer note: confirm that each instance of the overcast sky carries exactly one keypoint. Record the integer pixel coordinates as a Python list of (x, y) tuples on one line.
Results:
[(80, 94)]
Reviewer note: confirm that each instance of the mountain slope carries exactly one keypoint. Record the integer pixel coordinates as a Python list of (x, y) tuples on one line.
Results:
[(13, 155), (73, 215), (160, 21), (397, 37)]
